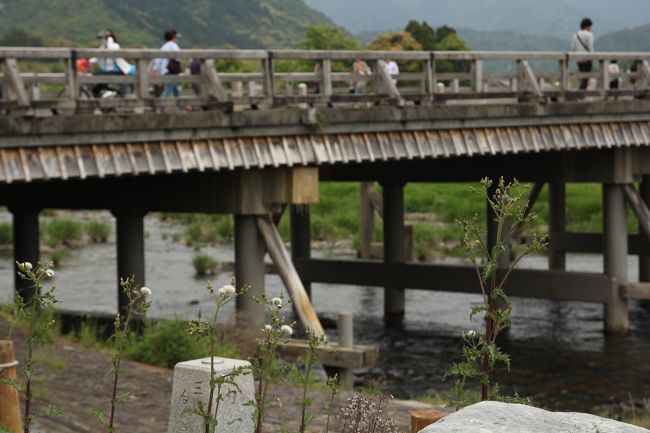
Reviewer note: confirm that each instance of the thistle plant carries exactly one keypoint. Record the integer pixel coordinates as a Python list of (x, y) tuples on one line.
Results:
[(266, 366), (315, 341), (334, 385), (137, 307), (209, 330), (480, 351), (34, 313)]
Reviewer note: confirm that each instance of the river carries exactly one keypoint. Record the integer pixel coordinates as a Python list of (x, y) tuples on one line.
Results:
[(560, 356)]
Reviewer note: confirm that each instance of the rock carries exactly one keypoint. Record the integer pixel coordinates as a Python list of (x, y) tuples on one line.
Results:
[(495, 417), (191, 383)]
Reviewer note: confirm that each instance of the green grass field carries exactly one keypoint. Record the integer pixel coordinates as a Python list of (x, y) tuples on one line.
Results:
[(432, 209)]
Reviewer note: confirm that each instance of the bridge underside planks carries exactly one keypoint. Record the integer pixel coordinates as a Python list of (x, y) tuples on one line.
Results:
[(557, 285), (81, 161)]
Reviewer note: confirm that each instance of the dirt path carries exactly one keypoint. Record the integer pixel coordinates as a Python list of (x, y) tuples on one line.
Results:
[(74, 379)]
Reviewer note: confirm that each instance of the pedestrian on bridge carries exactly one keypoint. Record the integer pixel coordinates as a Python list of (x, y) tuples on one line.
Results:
[(168, 66), (583, 42)]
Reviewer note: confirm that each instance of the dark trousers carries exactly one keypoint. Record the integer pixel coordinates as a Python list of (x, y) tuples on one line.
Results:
[(585, 67)]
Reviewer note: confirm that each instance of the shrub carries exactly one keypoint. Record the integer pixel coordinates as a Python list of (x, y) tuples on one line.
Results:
[(57, 257), (62, 232), (6, 234), (167, 343), (204, 265), (98, 231)]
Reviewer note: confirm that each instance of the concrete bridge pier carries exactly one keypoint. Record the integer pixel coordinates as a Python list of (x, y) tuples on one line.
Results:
[(249, 268), (301, 236), (556, 223), (615, 256), (130, 252), (26, 246), (393, 195), (644, 261)]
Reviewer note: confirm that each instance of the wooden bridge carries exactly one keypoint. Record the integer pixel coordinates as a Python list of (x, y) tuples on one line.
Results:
[(256, 142)]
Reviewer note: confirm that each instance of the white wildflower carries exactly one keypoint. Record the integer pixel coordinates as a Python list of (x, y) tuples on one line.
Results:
[(277, 302), (49, 273), (469, 334), (145, 291), (25, 266), (267, 328), (286, 329), (227, 291)]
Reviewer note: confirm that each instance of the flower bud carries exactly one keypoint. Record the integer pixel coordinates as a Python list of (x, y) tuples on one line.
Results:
[(49, 273), (145, 291), (277, 302), (286, 329)]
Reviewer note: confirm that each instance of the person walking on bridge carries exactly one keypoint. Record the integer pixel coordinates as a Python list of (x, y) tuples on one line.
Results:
[(583, 42), (168, 66)]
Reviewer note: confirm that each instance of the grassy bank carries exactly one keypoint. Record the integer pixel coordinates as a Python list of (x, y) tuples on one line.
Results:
[(430, 208)]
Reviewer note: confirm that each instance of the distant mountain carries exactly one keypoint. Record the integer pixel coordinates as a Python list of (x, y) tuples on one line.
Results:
[(202, 23), (635, 39), (548, 18)]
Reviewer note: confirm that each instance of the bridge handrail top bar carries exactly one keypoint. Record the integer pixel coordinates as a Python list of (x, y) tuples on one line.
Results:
[(254, 54)]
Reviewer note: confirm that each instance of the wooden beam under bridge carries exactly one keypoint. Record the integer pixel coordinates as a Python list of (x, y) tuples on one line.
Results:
[(588, 242), (557, 285)]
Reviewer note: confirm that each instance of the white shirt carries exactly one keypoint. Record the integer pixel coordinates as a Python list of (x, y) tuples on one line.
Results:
[(392, 67), (587, 39), (108, 65), (159, 66)]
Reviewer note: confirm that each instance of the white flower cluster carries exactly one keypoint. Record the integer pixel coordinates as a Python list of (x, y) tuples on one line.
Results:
[(277, 302), (227, 291), (145, 291), (28, 267), (286, 329)]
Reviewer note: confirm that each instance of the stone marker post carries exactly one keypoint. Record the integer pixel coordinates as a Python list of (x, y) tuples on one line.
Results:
[(191, 384)]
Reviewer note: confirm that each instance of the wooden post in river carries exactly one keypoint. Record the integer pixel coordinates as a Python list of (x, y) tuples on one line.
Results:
[(9, 404)]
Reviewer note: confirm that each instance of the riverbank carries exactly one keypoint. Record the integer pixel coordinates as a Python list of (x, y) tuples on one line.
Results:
[(73, 378)]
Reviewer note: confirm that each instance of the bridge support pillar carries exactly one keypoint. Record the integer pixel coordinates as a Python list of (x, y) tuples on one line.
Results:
[(249, 268), (644, 261), (556, 223), (393, 194), (26, 246), (130, 252), (615, 255), (301, 236)]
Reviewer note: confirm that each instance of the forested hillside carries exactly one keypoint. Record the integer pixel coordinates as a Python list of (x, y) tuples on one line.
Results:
[(202, 23), (636, 39)]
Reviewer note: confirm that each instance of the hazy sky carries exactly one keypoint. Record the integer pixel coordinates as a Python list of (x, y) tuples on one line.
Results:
[(540, 17)]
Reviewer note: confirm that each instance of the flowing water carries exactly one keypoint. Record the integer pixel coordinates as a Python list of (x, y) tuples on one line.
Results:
[(560, 356)]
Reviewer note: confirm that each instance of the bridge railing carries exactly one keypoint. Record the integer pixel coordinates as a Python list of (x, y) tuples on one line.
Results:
[(51, 79)]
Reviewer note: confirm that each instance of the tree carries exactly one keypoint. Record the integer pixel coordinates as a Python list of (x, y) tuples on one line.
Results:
[(395, 41), (17, 37), (326, 37), (423, 33)]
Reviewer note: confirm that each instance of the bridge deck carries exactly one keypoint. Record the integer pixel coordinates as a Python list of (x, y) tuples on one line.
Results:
[(26, 164)]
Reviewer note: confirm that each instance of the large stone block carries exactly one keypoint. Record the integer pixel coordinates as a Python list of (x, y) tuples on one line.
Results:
[(495, 417), (191, 384)]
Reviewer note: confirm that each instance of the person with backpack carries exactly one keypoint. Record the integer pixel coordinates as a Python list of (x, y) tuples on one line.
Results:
[(583, 42), (168, 66)]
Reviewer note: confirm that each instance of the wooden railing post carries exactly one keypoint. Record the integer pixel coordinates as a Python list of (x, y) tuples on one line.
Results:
[(143, 79), (478, 75), (564, 74), (267, 68), (15, 82), (71, 88), (326, 77), (604, 74)]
